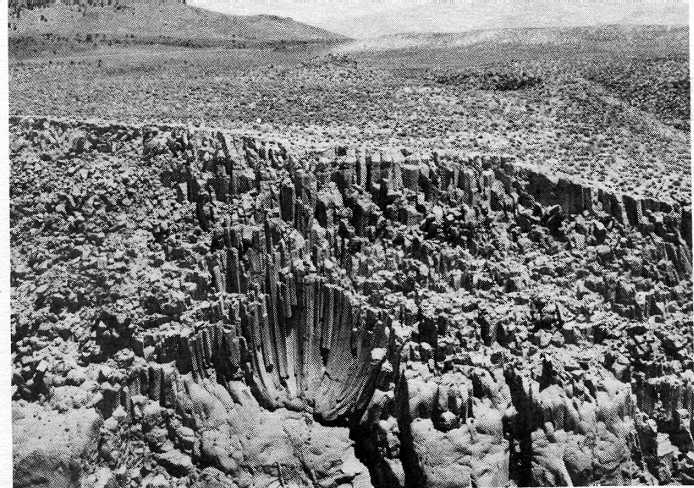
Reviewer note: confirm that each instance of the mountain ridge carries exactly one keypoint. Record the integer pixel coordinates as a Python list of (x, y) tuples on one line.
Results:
[(451, 19), (361, 19), (526, 35), (173, 21)]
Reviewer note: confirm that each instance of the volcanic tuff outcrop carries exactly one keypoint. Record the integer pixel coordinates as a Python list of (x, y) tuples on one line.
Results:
[(261, 314)]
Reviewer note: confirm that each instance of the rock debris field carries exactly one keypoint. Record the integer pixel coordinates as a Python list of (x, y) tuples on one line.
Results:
[(617, 117), (192, 307)]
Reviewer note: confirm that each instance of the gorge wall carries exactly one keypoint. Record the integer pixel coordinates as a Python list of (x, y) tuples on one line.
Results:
[(357, 316)]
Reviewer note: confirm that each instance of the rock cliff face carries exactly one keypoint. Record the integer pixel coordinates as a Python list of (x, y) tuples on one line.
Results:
[(359, 317)]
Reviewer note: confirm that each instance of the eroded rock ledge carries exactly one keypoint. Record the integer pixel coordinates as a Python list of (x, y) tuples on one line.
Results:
[(465, 319)]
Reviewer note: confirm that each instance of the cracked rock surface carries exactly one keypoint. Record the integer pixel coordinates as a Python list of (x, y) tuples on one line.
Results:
[(197, 308)]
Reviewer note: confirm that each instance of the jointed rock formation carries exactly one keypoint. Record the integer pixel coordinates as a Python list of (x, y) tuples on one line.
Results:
[(266, 315)]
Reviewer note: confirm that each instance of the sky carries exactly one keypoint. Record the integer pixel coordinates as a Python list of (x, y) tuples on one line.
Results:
[(371, 18)]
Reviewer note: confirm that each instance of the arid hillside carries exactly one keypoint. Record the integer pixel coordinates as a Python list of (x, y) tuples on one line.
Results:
[(69, 28)]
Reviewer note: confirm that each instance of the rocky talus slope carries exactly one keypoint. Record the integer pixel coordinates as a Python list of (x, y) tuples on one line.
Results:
[(192, 308)]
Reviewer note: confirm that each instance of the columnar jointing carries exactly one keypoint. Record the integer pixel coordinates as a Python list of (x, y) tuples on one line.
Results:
[(467, 316)]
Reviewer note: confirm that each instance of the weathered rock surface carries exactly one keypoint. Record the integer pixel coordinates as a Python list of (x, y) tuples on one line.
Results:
[(50, 448), (258, 314)]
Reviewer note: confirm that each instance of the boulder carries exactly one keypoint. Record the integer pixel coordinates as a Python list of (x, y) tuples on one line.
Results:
[(49, 447)]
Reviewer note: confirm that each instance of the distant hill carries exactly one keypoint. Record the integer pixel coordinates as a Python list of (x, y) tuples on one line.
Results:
[(361, 19), (153, 21), (466, 15), (673, 36)]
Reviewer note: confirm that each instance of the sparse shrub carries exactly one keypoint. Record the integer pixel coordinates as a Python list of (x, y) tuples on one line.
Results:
[(491, 79)]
